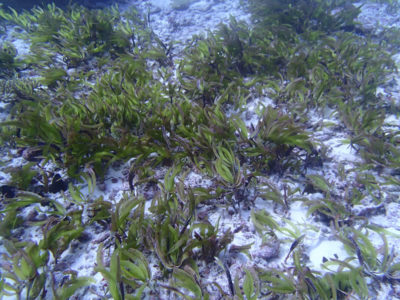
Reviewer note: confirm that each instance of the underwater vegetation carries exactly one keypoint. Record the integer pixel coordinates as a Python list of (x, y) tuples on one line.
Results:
[(29, 4), (98, 88), (181, 4), (8, 61)]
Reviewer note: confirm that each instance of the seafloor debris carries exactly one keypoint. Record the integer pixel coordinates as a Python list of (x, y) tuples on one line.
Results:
[(257, 158)]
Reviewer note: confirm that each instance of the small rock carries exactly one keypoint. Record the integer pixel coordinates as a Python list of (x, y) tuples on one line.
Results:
[(102, 238), (41, 217), (231, 211), (125, 172), (155, 10), (8, 191), (372, 211), (32, 154), (61, 266), (31, 217), (249, 115), (202, 215), (57, 184), (84, 237), (18, 232), (202, 6), (395, 172), (148, 195), (309, 189), (269, 250), (39, 189), (71, 71), (116, 165), (102, 187)]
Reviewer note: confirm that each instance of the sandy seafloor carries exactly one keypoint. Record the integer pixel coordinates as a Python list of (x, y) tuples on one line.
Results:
[(319, 241)]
